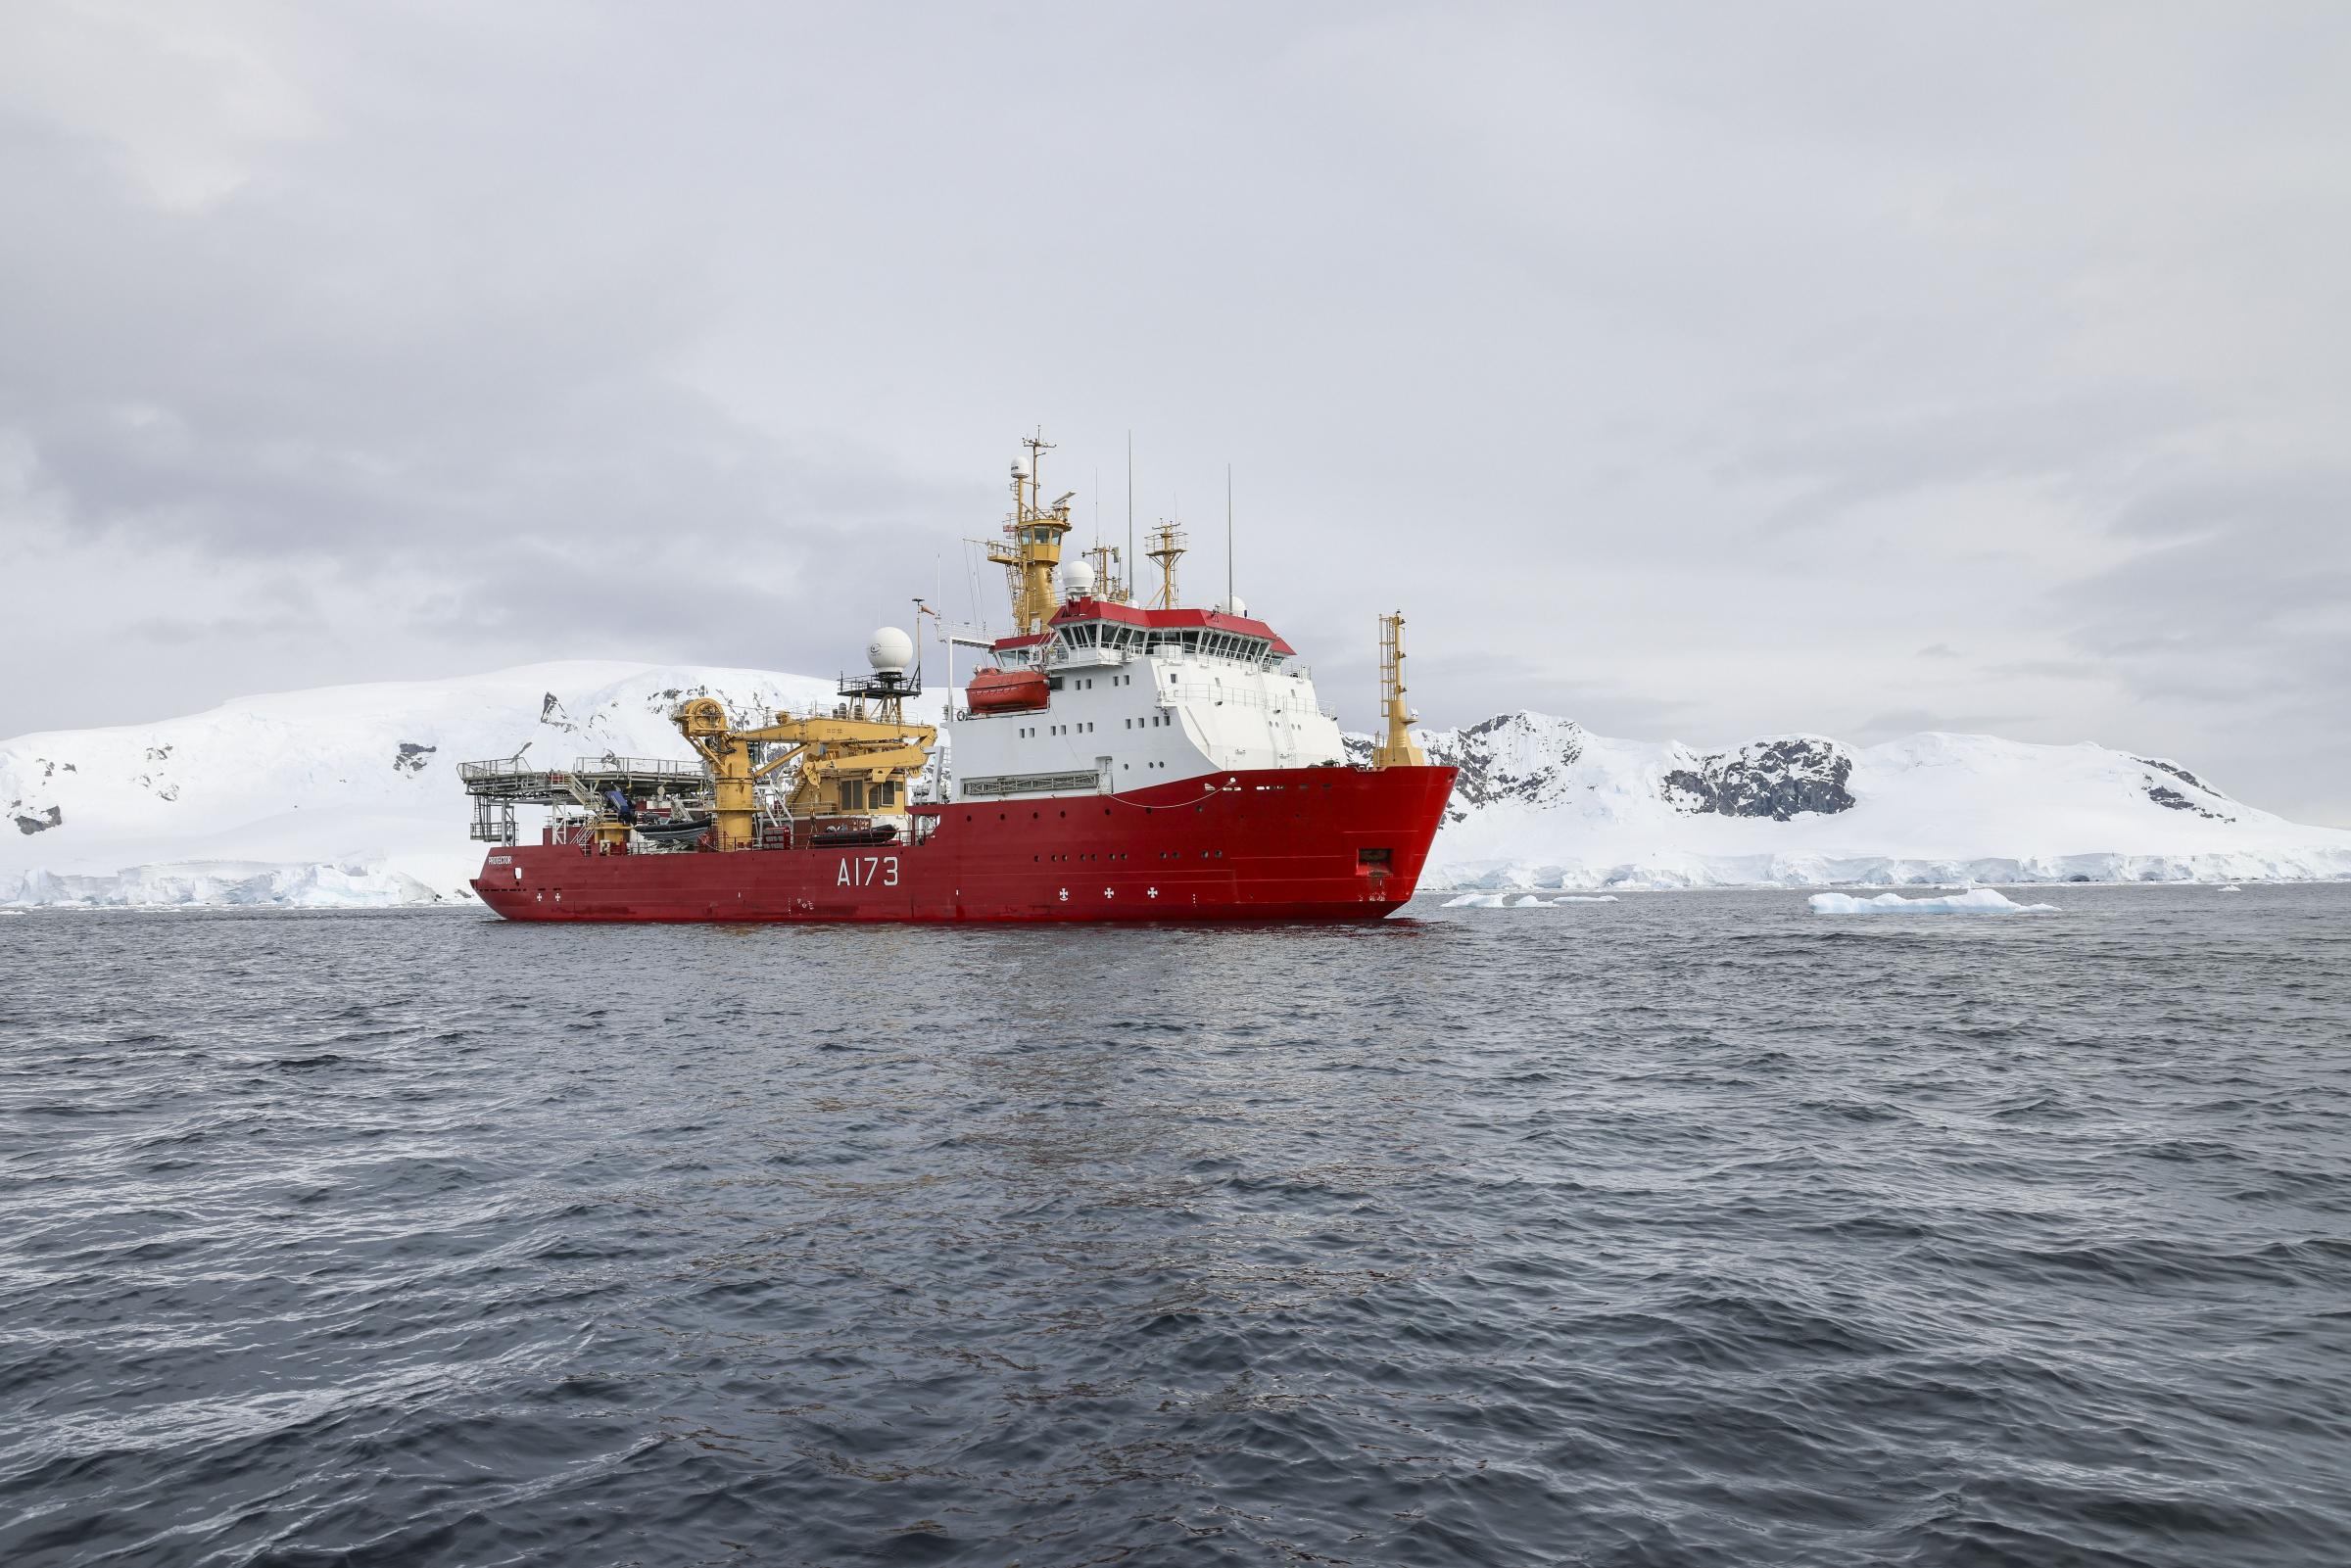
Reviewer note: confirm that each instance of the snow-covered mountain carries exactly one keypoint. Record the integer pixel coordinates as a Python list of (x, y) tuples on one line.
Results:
[(338, 795), (349, 795), (1542, 802)]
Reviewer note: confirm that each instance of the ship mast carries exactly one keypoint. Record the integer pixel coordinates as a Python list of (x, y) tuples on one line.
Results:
[(1033, 536), (1167, 547), (1109, 574), (1396, 748)]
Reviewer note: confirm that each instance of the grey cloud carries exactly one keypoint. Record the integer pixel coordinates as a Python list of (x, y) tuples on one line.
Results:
[(1605, 707), (1685, 371), (2052, 669)]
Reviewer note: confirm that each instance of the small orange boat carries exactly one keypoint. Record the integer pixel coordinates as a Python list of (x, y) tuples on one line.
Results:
[(995, 691)]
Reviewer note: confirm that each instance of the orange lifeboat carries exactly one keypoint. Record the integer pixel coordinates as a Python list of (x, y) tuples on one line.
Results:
[(995, 691)]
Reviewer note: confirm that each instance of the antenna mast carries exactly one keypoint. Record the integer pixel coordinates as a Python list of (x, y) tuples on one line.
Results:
[(1394, 749), (1167, 547), (1228, 610)]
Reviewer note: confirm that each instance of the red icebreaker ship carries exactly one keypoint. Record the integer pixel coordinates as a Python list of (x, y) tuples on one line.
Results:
[(1109, 762)]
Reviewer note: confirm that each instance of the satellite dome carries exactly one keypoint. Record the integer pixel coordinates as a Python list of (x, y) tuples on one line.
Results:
[(1235, 606), (1077, 578), (890, 650)]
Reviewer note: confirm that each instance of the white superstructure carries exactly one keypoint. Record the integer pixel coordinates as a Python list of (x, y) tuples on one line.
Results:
[(1132, 699)]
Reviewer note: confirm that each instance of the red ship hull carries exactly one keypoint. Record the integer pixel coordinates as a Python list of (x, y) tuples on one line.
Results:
[(1299, 843)]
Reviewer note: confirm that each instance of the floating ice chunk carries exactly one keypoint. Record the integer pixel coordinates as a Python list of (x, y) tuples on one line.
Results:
[(1977, 901), (2233, 888), (1521, 900)]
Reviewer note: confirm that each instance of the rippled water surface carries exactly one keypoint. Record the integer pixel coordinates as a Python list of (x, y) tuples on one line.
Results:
[(1692, 1228)]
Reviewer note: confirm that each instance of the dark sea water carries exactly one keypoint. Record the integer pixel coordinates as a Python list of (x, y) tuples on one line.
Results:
[(1692, 1228)]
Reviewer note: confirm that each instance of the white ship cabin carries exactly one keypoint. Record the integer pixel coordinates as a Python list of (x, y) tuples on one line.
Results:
[(1111, 697)]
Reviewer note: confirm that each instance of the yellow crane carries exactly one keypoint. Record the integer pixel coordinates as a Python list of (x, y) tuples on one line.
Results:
[(848, 763)]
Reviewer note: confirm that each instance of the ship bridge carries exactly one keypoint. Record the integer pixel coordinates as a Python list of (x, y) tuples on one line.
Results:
[(1084, 629), (1123, 697)]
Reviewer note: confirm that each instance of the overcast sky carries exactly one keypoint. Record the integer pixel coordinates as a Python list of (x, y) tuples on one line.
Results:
[(1704, 372)]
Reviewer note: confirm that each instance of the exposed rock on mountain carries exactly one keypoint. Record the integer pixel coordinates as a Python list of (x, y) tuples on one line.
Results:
[(2205, 800), (1775, 778), (1544, 803)]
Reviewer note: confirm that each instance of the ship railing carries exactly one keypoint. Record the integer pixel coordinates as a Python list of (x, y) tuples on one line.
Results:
[(507, 778), (495, 768), (493, 820), (662, 768), (1087, 656), (531, 784), (777, 827)]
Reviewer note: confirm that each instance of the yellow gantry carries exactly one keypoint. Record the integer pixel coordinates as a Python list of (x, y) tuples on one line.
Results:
[(848, 764)]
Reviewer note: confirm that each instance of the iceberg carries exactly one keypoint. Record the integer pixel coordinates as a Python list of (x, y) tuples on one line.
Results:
[(1980, 901)]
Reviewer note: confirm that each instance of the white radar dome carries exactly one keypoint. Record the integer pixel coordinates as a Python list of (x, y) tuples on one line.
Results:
[(1077, 578), (1235, 606), (890, 650)]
